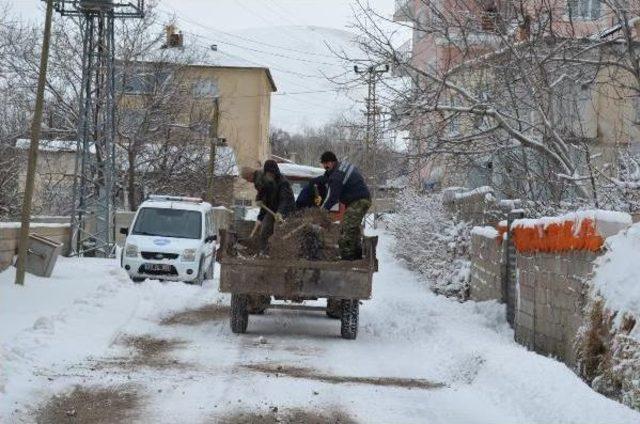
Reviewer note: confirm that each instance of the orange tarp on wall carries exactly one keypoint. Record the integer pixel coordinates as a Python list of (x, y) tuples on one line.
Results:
[(559, 236)]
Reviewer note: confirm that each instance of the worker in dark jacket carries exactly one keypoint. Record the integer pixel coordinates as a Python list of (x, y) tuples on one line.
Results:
[(346, 185), (274, 191), (312, 194)]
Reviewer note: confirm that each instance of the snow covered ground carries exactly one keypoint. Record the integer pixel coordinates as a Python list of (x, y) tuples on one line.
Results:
[(167, 353)]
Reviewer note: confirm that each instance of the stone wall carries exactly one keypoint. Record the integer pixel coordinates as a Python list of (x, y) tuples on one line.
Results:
[(554, 265), (554, 261), (487, 264), (10, 233), (551, 295)]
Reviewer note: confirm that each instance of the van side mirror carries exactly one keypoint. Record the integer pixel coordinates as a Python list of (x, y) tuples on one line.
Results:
[(211, 239), (124, 231)]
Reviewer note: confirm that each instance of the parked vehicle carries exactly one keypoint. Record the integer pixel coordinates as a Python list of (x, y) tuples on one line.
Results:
[(172, 239)]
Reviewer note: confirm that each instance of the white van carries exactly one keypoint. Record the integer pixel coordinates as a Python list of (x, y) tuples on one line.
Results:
[(170, 238)]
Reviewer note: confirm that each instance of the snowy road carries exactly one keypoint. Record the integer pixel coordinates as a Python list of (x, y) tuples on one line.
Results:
[(163, 353)]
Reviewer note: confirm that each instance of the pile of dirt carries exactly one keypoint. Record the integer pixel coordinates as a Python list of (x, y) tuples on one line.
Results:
[(306, 234)]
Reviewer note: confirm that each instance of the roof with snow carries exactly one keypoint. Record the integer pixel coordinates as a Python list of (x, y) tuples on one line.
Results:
[(62, 146), (196, 55), (301, 172)]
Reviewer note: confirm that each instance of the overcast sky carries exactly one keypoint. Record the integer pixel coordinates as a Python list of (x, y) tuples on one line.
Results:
[(239, 14)]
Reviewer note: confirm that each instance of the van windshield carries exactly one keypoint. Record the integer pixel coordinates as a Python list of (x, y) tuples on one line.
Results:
[(168, 223)]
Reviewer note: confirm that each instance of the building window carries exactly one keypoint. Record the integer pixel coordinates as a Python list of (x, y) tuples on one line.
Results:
[(205, 88), (142, 82), (585, 9)]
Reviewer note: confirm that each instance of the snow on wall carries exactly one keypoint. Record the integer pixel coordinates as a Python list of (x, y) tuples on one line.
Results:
[(617, 273), (488, 232)]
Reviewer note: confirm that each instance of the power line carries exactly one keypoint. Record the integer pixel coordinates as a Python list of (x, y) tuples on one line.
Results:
[(262, 65), (247, 39), (278, 54)]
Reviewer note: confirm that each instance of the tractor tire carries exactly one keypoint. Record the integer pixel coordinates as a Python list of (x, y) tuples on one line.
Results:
[(349, 319), (334, 308), (239, 313)]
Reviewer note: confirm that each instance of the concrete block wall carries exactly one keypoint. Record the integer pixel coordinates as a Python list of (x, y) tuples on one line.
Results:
[(10, 233), (554, 265), (487, 264), (551, 295), (467, 205), (478, 206)]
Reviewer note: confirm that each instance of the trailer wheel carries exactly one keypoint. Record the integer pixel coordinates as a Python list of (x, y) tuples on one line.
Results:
[(239, 313), (334, 308), (349, 319)]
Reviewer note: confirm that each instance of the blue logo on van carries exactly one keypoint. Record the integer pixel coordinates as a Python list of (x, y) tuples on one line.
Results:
[(161, 242)]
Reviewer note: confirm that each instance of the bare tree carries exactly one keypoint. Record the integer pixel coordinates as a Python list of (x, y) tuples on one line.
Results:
[(510, 94)]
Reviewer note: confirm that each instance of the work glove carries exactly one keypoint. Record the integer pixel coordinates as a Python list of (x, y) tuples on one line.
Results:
[(317, 200), (279, 218)]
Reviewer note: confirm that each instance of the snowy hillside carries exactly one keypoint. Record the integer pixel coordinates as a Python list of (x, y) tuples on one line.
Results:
[(301, 59)]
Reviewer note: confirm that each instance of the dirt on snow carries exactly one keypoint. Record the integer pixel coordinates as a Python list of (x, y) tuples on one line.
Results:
[(310, 374), (91, 405), (289, 416), (202, 315)]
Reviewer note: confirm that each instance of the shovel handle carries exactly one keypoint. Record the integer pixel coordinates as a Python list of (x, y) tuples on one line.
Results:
[(266, 208)]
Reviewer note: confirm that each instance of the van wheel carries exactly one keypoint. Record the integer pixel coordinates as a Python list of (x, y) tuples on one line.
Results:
[(208, 275), (200, 278), (137, 280)]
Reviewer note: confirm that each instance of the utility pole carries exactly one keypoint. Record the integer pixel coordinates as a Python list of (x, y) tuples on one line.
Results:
[(213, 140), (36, 128), (92, 217), (371, 74)]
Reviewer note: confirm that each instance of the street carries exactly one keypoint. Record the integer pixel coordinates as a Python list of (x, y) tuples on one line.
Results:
[(164, 353)]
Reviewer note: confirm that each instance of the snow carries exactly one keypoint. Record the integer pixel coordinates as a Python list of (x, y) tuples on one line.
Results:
[(486, 190), (488, 232), (617, 272), (16, 225), (66, 331), (607, 222), (300, 171), (49, 145)]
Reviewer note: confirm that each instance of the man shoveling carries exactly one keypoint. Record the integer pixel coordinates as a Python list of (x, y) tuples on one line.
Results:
[(346, 185)]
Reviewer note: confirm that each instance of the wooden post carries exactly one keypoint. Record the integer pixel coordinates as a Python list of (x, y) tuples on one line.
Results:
[(36, 125), (213, 139)]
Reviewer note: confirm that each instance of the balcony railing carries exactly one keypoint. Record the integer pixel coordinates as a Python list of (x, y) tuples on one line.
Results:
[(404, 10)]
